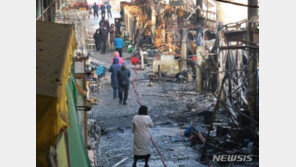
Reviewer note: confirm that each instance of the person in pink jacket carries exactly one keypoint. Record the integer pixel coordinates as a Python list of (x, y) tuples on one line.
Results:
[(116, 54)]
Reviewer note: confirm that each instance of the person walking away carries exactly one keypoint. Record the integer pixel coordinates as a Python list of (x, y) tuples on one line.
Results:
[(141, 125), (102, 22), (114, 68), (123, 78), (109, 11), (95, 7), (112, 34), (116, 54), (117, 26), (107, 24), (103, 10), (101, 37), (104, 38), (118, 43), (97, 40), (121, 14)]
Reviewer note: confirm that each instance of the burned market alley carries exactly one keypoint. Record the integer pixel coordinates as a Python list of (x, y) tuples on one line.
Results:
[(194, 67)]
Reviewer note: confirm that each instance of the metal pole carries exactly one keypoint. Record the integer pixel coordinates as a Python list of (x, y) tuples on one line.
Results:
[(153, 23), (198, 71), (184, 45), (85, 110), (252, 58)]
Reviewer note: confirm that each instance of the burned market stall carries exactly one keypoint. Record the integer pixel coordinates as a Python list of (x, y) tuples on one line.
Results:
[(187, 41)]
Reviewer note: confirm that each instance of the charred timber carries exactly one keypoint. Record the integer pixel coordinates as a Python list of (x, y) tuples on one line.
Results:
[(237, 47)]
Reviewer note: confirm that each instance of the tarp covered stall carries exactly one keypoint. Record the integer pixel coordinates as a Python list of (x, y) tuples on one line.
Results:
[(56, 92)]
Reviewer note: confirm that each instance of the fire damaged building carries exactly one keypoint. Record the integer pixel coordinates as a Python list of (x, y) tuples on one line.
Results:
[(193, 63)]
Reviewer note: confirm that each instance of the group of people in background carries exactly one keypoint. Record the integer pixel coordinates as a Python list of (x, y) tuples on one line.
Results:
[(96, 7), (101, 37), (105, 31)]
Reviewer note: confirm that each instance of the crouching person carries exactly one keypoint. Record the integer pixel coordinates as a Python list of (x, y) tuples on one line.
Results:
[(123, 78), (141, 125)]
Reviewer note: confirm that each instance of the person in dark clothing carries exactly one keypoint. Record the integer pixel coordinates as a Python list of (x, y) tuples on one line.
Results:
[(114, 68), (104, 37), (121, 14), (117, 27), (123, 78), (112, 34), (97, 40), (107, 24), (95, 7), (102, 22), (109, 11), (103, 10)]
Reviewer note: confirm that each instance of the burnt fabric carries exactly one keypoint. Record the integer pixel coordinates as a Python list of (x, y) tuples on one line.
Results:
[(114, 68), (141, 125)]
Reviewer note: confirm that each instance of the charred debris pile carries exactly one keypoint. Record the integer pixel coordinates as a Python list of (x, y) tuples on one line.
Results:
[(186, 43)]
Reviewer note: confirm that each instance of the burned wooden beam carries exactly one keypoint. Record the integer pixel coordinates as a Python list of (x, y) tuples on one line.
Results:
[(212, 119), (232, 47), (240, 35)]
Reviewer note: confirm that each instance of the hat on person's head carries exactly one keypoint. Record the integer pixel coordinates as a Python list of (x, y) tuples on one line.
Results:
[(123, 64), (116, 54)]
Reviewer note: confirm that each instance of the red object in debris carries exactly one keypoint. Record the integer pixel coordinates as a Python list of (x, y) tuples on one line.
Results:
[(135, 60), (194, 58)]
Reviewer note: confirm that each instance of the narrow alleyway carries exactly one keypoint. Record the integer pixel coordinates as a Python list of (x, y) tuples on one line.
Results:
[(162, 99), (197, 72)]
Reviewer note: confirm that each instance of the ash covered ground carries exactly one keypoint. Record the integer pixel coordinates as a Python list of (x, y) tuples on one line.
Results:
[(163, 99), (173, 107)]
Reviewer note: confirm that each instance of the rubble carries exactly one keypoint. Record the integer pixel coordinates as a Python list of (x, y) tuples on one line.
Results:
[(180, 50)]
